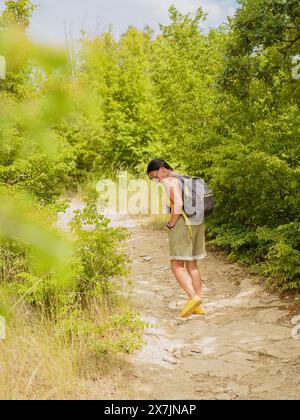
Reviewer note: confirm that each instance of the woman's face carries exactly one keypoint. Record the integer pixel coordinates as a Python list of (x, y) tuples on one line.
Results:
[(159, 174)]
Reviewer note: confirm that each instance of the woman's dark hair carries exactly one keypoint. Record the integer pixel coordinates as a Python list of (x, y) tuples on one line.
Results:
[(155, 164)]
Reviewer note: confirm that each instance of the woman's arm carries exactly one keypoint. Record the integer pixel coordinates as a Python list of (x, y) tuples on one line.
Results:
[(174, 191)]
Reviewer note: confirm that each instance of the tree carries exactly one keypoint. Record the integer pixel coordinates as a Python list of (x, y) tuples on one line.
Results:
[(17, 13), (14, 22)]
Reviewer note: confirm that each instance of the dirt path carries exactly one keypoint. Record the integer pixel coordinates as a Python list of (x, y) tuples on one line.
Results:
[(242, 347)]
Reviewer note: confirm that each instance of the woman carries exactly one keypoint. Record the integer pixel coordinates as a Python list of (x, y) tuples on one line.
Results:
[(186, 242)]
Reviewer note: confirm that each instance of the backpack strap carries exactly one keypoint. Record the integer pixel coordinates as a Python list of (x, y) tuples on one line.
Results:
[(188, 223)]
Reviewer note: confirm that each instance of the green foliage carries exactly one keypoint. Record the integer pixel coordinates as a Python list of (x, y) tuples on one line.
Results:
[(14, 22), (95, 265), (264, 37), (283, 256), (120, 74), (256, 170), (39, 268), (119, 333), (35, 257), (50, 140), (185, 65), (221, 105), (73, 302), (17, 12), (12, 260), (97, 252), (85, 139), (33, 155)]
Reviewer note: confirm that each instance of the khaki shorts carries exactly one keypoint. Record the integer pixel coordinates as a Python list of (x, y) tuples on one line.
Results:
[(182, 246)]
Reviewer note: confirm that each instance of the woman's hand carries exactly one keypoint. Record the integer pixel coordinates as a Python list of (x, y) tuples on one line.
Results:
[(170, 225), (174, 192)]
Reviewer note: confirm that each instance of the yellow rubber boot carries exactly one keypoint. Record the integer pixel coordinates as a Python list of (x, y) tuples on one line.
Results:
[(199, 311), (190, 306)]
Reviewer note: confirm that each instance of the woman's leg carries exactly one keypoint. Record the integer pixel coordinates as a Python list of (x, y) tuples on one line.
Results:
[(183, 278), (195, 276)]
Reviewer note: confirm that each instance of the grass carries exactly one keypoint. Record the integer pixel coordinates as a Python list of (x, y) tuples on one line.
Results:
[(39, 361), (81, 352)]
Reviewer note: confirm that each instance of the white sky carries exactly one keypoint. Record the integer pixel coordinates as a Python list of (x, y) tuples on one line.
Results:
[(94, 16)]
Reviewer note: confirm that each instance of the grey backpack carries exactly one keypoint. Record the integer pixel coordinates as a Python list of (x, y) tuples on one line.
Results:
[(198, 199)]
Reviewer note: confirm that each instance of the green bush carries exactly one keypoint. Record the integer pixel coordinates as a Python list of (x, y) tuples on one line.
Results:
[(97, 251), (95, 264)]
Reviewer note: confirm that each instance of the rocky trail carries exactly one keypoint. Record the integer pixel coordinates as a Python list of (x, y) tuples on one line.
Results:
[(241, 349), (246, 346)]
